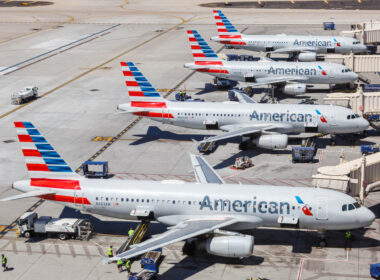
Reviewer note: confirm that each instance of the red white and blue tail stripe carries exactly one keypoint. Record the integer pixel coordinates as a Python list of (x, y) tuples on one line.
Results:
[(228, 34), (199, 47), (42, 160), (138, 86), (145, 100)]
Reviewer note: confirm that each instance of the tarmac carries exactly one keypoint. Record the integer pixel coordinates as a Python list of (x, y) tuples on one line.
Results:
[(71, 50)]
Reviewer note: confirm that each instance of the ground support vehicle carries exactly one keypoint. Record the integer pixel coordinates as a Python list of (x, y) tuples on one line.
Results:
[(25, 95), (242, 163), (29, 224)]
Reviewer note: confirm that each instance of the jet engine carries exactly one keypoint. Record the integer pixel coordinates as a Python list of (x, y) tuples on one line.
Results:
[(273, 141), (230, 246), (293, 89), (307, 57)]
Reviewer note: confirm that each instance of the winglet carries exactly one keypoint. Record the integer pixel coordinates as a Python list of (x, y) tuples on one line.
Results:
[(203, 171)]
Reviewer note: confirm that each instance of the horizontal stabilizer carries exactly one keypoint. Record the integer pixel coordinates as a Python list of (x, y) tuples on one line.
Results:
[(27, 194)]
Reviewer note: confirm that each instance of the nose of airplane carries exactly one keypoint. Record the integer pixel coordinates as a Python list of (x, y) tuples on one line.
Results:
[(214, 38), (364, 124), (362, 48), (354, 76), (367, 217)]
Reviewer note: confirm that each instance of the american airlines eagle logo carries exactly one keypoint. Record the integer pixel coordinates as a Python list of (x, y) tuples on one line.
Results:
[(322, 71), (323, 119), (305, 208), (337, 43)]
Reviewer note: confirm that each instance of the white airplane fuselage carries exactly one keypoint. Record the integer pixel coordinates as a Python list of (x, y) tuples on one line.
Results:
[(294, 118), (257, 205), (308, 72), (319, 44)]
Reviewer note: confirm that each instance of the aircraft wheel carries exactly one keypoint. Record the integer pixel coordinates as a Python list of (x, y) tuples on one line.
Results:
[(189, 248), (243, 146)]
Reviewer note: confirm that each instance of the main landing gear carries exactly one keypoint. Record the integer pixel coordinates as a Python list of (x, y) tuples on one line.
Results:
[(321, 239)]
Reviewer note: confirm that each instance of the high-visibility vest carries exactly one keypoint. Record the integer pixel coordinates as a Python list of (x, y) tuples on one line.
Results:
[(128, 264), (4, 260), (348, 234), (120, 262), (110, 252), (131, 232)]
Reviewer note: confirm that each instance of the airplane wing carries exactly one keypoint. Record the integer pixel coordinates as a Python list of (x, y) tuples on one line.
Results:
[(27, 194), (239, 132), (279, 80), (295, 50), (183, 230), (204, 173)]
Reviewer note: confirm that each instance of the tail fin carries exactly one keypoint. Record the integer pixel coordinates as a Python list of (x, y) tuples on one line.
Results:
[(139, 88), (224, 26), (42, 161), (200, 49), (145, 100)]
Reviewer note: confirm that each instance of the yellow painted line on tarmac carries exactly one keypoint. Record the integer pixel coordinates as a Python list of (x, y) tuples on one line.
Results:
[(163, 89), (292, 1), (326, 1)]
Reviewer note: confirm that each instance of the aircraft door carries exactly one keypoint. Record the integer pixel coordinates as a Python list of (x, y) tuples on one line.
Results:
[(78, 197), (165, 115), (322, 210), (313, 125), (332, 120)]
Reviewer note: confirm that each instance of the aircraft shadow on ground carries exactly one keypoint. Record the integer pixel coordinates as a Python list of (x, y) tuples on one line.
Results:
[(191, 265), (154, 133)]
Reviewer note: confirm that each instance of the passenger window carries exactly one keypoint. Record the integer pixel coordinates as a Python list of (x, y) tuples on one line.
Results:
[(122, 199), (137, 200), (189, 202), (344, 207), (131, 199), (127, 199), (351, 207), (142, 200), (106, 198), (96, 198), (147, 200), (173, 201)]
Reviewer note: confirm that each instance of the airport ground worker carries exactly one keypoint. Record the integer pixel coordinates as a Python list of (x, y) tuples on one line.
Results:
[(131, 232), (348, 240), (120, 265), (110, 252), (4, 262), (128, 266)]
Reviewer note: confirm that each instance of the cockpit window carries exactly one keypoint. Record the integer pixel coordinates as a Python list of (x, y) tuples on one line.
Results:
[(357, 205), (344, 207), (355, 43), (351, 207), (348, 117), (357, 116)]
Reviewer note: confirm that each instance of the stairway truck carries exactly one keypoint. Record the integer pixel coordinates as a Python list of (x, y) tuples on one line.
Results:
[(29, 224)]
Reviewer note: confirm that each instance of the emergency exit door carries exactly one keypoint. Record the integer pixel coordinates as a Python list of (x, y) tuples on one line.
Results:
[(322, 211)]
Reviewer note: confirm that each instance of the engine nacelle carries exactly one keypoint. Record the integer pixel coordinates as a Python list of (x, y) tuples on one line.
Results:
[(294, 89), (273, 141), (230, 246), (307, 57)]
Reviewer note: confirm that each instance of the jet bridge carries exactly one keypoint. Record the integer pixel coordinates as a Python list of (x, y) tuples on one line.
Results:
[(356, 178), (139, 234)]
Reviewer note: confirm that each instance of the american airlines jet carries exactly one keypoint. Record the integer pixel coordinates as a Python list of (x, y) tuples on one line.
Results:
[(208, 209), (290, 77), (266, 125), (302, 47)]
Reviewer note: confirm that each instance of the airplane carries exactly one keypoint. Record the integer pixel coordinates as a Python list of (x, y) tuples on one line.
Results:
[(301, 47), (266, 125), (208, 209), (290, 78)]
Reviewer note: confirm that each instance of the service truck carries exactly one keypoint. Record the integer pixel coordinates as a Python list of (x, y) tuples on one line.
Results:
[(29, 224), (25, 95)]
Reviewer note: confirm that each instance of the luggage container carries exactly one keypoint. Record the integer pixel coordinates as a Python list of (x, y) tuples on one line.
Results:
[(303, 154), (87, 172), (329, 25)]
